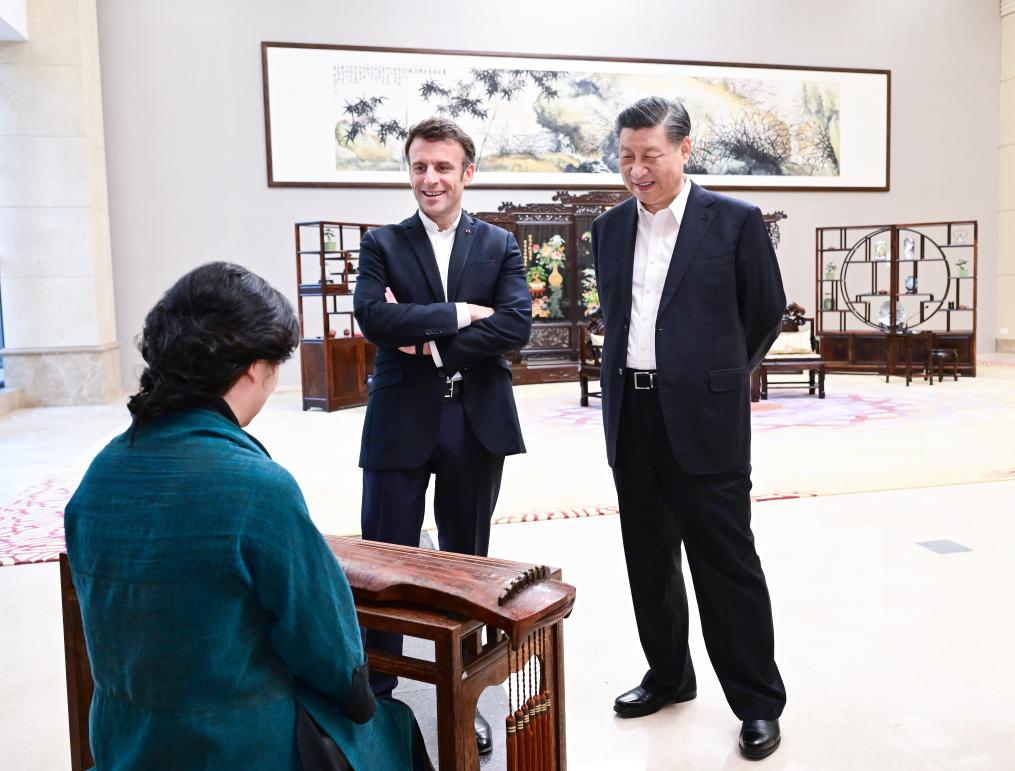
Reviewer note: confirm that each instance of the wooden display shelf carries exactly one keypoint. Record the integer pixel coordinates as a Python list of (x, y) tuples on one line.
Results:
[(316, 290), (334, 366), (850, 340)]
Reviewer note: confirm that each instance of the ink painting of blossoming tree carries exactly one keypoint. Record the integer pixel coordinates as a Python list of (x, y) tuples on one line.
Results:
[(548, 122)]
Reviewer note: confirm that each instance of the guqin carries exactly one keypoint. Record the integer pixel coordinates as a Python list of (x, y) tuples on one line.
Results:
[(450, 598)]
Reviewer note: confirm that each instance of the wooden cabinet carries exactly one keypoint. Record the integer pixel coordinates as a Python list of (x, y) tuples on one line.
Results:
[(335, 359), (886, 294)]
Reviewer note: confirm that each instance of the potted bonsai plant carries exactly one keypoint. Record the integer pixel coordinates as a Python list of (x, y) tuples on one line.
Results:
[(536, 278)]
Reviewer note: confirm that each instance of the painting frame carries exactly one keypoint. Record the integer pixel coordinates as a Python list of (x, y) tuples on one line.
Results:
[(869, 113)]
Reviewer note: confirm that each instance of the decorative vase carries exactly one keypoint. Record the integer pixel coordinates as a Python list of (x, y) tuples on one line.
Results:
[(330, 246), (555, 278), (963, 272), (537, 287)]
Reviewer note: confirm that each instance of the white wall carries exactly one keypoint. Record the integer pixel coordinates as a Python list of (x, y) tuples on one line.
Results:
[(185, 126)]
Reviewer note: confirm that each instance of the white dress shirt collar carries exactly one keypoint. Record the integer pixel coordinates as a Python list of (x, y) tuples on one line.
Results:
[(677, 205), (433, 229)]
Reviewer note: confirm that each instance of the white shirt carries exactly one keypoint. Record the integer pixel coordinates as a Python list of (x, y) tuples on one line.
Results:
[(443, 241), (653, 250)]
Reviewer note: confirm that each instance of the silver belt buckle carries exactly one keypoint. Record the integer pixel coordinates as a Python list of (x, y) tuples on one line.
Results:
[(644, 381)]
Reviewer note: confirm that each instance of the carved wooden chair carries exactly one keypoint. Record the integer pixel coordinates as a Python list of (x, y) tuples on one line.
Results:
[(795, 352), (590, 359)]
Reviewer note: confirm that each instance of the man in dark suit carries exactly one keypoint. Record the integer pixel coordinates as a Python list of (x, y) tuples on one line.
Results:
[(443, 296), (692, 299)]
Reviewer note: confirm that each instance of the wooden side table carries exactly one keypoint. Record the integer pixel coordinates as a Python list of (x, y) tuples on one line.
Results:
[(901, 352)]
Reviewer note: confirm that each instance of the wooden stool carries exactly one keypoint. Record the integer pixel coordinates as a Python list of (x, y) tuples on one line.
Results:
[(942, 357)]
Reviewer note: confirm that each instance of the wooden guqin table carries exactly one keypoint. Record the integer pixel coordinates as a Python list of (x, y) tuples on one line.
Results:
[(450, 599)]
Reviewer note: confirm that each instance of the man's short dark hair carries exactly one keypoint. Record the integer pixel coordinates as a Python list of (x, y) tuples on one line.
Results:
[(437, 129), (653, 111)]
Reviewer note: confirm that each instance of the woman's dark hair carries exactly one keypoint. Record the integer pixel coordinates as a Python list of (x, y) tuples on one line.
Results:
[(204, 333)]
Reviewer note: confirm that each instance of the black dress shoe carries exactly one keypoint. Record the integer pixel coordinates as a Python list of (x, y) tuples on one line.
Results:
[(484, 735), (640, 701), (759, 738)]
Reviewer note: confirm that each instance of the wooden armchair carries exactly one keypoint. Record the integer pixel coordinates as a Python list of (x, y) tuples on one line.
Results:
[(795, 352), (590, 358)]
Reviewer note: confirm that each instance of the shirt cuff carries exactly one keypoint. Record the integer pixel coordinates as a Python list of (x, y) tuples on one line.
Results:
[(464, 317), (436, 356)]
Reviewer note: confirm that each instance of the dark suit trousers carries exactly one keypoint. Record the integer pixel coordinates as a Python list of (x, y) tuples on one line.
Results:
[(662, 507), (394, 501)]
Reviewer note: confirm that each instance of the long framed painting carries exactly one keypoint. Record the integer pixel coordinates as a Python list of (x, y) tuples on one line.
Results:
[(336, 116)]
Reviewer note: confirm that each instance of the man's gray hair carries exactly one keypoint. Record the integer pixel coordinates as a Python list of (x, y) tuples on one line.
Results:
[(653, 111)]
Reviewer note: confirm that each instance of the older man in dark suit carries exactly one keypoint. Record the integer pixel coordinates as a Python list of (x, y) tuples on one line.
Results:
[(692, 299), (443, 297)]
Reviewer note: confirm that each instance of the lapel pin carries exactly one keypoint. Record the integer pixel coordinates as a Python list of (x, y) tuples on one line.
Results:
[(468, 231)]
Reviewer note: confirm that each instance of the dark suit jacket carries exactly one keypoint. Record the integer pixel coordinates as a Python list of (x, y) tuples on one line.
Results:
[(720, 311), (406, 394)]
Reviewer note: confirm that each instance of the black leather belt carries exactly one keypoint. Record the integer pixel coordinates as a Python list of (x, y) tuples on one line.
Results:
[(642, 379), (453, 389)]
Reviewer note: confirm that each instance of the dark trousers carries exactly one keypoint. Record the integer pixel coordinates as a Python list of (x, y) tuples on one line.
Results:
[(466, 490), (661, 508)]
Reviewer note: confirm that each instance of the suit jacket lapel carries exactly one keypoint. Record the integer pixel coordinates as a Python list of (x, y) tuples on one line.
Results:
[(626, 256), (697, 217), (420, 243), (464, 239)]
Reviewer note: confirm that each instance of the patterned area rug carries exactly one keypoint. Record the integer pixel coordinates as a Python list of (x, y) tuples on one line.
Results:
[(31, 528), (866, 435)]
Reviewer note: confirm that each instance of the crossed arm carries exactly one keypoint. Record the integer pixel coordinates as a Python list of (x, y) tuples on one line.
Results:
[(476, 312), (502, 326)]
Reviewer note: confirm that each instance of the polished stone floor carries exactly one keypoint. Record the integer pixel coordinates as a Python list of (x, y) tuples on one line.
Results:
[(896, 656)]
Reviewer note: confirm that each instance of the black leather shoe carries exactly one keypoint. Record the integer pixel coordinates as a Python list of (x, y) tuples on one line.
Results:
[(484, 735), (759, 738), (640, 701)]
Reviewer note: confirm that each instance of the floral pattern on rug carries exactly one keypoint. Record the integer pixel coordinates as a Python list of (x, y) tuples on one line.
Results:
[(31, 528), (830, 412), (780, 412)]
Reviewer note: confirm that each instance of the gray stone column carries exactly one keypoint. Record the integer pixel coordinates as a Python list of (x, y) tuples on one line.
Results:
[(55, 266)]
